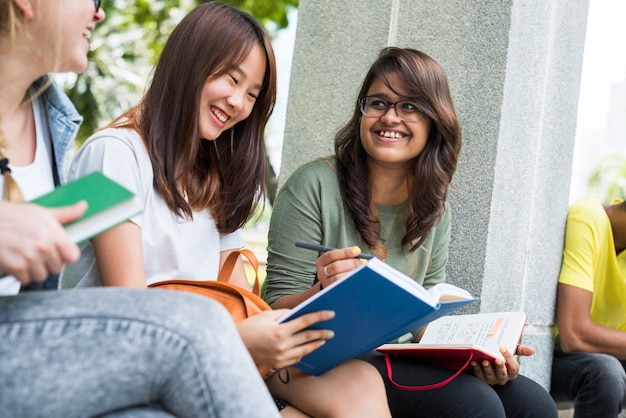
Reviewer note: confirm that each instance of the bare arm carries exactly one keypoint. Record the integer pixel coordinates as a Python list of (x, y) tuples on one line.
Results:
[(238, 276), (330, 266), (577, 330), (119, 255), (289, 301)]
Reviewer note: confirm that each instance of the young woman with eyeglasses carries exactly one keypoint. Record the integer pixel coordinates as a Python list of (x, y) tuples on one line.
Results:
[(97, 352), (384, 191)]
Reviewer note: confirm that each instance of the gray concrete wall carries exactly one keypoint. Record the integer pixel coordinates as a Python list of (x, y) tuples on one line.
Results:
[(514, 68)]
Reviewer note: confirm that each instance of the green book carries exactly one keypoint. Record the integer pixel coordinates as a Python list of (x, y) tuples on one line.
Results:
[(109, 204)]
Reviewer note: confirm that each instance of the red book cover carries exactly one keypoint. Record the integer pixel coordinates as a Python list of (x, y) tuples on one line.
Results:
[(452, 341)]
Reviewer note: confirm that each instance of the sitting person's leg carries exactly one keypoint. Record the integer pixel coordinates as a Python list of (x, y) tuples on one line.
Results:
[(139, 413), (351, 389), (98, 351), (465, 396), (595, 382), (523, 397), (291, 412)]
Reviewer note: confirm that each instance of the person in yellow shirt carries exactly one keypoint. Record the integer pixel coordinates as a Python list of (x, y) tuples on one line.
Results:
[(590, 351)]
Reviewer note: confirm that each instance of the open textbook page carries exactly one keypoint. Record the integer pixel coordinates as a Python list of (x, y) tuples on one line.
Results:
[(451, 339)]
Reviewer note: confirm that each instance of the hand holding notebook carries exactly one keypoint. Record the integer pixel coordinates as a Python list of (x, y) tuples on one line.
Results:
[(374, 304), (451, 340)]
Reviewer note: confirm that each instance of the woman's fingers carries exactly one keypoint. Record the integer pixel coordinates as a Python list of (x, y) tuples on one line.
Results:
[(499, 372), (525, 350), (283, 344), (33, 242), (332, 265)]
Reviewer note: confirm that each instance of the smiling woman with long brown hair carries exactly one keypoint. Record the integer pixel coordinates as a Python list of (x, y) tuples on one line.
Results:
[(97, 352), (192, 151), (384, 192)]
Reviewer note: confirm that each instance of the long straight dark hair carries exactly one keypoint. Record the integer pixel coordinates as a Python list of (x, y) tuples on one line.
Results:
[(425, 82), (225, 175)]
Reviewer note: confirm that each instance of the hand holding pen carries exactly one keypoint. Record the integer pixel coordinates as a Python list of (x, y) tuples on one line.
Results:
[(334, 263), (324, 248)]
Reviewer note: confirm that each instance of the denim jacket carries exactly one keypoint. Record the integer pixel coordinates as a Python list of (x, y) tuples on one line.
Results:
[(64, 121)]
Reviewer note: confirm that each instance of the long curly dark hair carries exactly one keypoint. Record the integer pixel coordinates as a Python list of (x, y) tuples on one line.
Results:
[(425, 82)]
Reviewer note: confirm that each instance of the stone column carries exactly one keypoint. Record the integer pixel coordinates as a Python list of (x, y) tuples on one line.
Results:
[(514, 68)]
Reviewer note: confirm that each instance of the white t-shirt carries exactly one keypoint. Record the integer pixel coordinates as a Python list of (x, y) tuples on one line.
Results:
[(173, 247), (34, 179)]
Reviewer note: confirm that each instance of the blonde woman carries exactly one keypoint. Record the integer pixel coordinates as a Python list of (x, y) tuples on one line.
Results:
[(100, 352)]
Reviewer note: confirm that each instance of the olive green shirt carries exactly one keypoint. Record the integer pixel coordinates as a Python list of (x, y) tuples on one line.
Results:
[(309, 208)]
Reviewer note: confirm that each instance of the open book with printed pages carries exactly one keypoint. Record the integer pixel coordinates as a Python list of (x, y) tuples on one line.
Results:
[(109, 204), (453, 341), (374, 304)]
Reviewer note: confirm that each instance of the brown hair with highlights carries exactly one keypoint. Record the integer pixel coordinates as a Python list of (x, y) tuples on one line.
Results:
[(425, 82)]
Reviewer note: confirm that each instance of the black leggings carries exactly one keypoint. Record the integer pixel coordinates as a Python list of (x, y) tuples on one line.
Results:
[(465, 396)]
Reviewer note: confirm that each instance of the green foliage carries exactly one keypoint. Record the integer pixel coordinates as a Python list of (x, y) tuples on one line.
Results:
[(608, 178), (269, 13), (123, 50), (126, 45)]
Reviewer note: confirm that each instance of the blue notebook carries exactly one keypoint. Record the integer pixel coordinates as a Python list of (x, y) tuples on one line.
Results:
[(373, 305)]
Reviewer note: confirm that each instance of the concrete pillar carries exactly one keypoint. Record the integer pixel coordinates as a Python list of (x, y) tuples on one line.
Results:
[(514, 68)]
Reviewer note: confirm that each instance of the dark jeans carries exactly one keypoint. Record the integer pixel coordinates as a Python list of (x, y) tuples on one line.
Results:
[(465, 396), (595, 382), (51, 283)]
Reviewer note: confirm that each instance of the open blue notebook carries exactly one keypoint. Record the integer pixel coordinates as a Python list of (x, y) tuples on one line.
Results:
[(375, 304)]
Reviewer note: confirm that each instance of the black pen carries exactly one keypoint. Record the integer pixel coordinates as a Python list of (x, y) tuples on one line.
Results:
[(324, 248)]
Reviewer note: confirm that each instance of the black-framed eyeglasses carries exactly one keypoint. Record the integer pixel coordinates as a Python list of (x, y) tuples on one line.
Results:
[(375, 107), (97, 4)]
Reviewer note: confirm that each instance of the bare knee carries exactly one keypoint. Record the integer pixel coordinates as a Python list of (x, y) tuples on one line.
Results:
[(362, 392)]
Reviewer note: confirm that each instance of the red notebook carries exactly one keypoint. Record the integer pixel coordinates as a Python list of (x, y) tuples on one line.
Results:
[(453, 341)]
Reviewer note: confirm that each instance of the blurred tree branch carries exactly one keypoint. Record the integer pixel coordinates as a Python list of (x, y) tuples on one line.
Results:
[(608, 178)]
